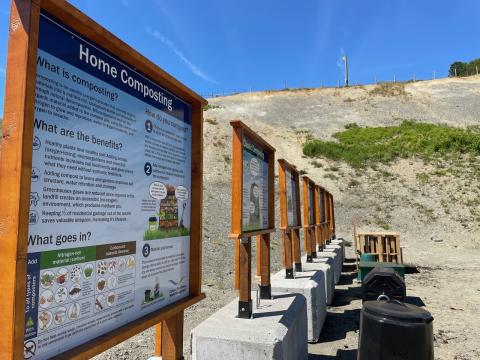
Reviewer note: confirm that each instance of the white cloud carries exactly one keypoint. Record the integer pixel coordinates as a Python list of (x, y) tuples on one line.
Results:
[(3, 71), (193, 68)]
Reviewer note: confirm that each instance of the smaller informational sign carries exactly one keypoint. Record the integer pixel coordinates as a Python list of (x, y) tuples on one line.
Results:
[(255, 187), (291, 198)]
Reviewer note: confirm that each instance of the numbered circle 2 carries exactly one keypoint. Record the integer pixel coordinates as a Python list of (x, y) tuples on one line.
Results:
[(147, 168)]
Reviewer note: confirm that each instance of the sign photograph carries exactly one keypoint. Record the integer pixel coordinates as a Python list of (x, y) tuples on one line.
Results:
[(255, 187), (109, 211)]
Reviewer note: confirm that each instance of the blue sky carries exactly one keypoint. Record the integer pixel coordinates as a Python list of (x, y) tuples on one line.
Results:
[(218, 45)]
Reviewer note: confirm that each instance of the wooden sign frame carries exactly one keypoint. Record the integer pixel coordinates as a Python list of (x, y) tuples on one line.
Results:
[(290, 233), (243, 238), (332, 217), (15, 175), (309, 222), (319, 232), (324, 223)]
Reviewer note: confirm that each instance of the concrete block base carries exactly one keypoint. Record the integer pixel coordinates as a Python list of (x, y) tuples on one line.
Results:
[(324, 265), (337, 262), (341, 243), (310, 284), (278, 330)]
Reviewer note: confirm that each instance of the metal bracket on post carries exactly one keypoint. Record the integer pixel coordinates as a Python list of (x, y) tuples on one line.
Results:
[(265, 291), (298, 267), (245, 309)]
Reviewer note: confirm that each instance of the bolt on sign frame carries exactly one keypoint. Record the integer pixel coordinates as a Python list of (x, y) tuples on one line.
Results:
[(309, 221), (319, 218), (253, 174), (290, 216), (16, 177)]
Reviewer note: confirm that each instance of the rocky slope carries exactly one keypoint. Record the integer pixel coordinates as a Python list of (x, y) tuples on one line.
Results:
[(435, 206)]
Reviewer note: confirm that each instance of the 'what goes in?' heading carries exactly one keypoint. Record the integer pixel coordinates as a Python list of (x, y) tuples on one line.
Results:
[(79, 135)]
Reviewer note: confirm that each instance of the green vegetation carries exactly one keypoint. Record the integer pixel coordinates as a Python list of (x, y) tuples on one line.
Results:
[(212, 121), (163, 234), (211, 106), (464, 69), (361, 147), (422, 178), (389, 89)]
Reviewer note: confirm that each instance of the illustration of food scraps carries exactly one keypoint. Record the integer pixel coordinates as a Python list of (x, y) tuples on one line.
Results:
[(76, 291), (115, 274)]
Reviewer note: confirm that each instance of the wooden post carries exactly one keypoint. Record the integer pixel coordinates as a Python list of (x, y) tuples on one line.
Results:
[(169, 338), (287, 252), (297, 255), (245, 279), (333, 217), (15, 171), (265, 286), (245, 139), (237, 266), (318, 218)]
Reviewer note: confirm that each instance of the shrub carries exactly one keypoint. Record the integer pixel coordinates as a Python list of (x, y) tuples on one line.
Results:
[(360, 147)]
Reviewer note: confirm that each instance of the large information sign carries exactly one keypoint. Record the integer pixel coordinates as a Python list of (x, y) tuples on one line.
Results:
[(110, 201), (255, 187)]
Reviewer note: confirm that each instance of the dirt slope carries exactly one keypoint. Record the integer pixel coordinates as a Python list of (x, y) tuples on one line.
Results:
[(437, 213)]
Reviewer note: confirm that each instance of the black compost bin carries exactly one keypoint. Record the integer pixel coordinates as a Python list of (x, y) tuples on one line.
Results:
[(383, 281), (392, 330)]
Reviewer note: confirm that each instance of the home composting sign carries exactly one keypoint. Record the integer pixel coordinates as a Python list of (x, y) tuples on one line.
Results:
[(109, 217)]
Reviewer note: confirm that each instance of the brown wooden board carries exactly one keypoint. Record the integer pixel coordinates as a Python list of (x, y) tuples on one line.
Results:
[(290, 215), (253, 209), (61, 120)]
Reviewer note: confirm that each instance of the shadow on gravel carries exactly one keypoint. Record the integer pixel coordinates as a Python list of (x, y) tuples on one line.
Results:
[(347, 279), (349, 267), (414, 300), (344, 297), (337, 325), (341, 354)]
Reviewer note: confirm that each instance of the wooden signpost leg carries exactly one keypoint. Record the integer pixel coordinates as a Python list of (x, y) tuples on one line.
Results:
[(265, 287), (169, 338), (307, 243), (237, 267), (313, 243), (318, 237), (287, 253), (245, 279), (259, 256), (297, 256)]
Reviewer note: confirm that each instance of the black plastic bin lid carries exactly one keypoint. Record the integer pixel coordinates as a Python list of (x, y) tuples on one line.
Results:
[(396, 310)]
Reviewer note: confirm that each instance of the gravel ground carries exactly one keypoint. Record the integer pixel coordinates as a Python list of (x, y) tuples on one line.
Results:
[(438, 219)]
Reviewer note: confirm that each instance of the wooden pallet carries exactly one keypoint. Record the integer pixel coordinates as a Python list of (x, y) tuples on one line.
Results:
[(384, 246)]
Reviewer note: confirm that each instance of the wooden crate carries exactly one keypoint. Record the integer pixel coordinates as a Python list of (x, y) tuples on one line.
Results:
[(384, 246)]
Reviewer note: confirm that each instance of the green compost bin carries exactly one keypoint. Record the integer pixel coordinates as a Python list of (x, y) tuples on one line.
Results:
[(367, 257), (367, 266)]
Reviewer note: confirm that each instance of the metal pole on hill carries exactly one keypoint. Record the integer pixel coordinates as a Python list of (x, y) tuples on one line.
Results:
[(345, 62)]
